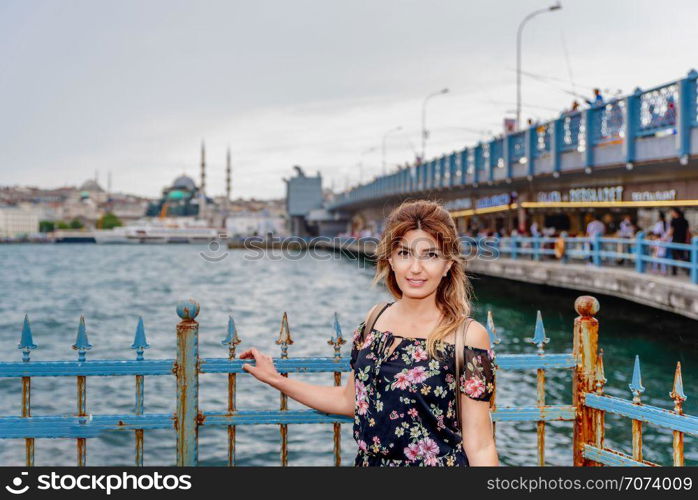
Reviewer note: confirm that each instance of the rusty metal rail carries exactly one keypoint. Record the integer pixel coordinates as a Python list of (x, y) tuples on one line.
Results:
[(587, 410)]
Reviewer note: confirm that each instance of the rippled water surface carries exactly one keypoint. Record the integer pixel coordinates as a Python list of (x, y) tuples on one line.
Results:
[(113, 285)]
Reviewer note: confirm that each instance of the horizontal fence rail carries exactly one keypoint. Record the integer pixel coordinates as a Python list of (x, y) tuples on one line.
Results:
[(586, 410), (647, 255)]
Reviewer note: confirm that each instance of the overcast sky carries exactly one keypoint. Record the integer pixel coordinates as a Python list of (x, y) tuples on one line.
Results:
[(133, 87)]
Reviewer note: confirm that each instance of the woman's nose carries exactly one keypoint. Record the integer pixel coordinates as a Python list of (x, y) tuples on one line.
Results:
[(416, 265)]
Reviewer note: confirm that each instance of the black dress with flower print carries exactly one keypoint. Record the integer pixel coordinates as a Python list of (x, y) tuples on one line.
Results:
[(405, 401)]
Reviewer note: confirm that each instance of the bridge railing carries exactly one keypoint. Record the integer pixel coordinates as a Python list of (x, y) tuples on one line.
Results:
[(587, 410), (669, 109), (647, 255)]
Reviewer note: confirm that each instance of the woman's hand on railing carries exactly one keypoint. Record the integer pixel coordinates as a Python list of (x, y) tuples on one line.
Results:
[(263, 369), (336, 400)]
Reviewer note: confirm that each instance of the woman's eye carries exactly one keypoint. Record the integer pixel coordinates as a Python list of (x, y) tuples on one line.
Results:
[(402, 252), (433, 255)]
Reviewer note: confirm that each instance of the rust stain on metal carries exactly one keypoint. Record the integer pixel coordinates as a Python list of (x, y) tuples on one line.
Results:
[(585, 348), (26, 412)]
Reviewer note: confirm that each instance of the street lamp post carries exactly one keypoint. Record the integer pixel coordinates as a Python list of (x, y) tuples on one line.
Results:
[(385, 136), (361, 163), (557, 6), (425, 132)]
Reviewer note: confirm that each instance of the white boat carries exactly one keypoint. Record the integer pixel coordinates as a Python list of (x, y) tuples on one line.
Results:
[(118, 235), (159, 231)]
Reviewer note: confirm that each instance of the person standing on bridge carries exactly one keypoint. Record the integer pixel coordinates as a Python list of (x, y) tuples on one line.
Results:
[(597, 100), (626, 229), (416, 398), (595, 227), (678, 231)]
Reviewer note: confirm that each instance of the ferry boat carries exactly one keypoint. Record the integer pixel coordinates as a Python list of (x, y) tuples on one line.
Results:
[(158, 231)]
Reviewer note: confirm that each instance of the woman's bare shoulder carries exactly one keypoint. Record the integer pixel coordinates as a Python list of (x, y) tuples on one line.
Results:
[(477, 335)]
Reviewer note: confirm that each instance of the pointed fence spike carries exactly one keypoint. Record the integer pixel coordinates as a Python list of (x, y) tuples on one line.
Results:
[(636, 384), (284, 339), (337, 340), (231, 339), (677, 393), (285, 333), (139, 340), (26, 343), (539, 339), (81, 343), (491, 329)]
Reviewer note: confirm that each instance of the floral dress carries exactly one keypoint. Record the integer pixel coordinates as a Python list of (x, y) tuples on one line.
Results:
[(405, 402)]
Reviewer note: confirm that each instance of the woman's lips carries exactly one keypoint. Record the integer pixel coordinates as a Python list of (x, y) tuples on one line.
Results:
[(415, 283)]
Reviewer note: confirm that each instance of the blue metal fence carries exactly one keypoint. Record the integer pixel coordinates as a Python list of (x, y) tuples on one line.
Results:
[(647, 255), (586, 411), (670, 109)]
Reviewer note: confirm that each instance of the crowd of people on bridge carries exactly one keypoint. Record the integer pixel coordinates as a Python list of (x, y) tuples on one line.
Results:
[(674, 229)]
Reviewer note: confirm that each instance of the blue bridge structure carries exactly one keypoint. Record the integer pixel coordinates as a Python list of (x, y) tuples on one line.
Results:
[(650, 131)]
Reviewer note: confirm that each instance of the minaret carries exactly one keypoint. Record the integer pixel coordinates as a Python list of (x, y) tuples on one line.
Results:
[(202, 187), (203, 168), (227, 179)]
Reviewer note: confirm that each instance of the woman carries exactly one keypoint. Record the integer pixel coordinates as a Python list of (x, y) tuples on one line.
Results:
[(401, 390)]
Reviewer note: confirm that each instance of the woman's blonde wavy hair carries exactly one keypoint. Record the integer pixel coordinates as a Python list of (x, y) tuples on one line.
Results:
[(454, 293)]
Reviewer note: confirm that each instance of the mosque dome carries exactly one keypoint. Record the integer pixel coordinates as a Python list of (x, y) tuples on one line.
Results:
[(91, 185), (184, 182)]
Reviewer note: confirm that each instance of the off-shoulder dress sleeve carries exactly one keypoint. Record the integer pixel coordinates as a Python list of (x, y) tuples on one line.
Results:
[(477, 378), (355, 347)]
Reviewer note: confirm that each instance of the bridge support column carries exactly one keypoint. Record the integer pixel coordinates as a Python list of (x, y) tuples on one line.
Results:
[(685, 114), (631, 121), (589, 138)]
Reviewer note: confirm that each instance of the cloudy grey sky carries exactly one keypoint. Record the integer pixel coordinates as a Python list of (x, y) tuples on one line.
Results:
[(133, 87)]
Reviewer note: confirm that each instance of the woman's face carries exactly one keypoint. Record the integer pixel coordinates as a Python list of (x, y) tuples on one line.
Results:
[(418, 264)]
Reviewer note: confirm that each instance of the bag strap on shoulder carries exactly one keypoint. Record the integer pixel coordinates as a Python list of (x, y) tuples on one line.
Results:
[(372, 317), (461, 334)]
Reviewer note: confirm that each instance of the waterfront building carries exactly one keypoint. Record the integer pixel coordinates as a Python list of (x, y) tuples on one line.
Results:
[(303, 194), (18, 221)]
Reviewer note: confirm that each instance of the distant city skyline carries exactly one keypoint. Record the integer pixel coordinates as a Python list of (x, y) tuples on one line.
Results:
[(135, 87)]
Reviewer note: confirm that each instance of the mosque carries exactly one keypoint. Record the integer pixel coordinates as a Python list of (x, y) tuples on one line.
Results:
[(181, 199), (184, 198)]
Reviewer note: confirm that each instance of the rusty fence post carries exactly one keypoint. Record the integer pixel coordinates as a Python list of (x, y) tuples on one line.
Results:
[(82, 345), (231, 340), (284, 341), (585, 351), (337, 342), (187, 371)]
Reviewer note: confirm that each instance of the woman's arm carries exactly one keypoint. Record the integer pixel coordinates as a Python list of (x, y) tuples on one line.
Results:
[(327, 399), (477, 429), (478, 433)]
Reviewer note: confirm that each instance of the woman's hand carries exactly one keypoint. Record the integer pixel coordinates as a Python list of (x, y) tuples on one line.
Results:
[(263, 369), (333, 400)]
